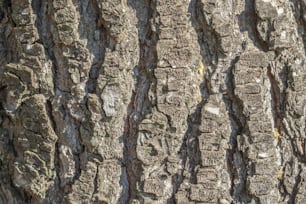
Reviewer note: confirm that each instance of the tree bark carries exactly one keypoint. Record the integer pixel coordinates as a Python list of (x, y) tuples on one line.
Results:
[(169, 101)]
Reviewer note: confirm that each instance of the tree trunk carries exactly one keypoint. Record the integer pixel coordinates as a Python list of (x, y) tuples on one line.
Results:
[(152, 101)]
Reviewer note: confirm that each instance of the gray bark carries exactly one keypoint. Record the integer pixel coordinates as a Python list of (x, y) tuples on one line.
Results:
[(152, 101)]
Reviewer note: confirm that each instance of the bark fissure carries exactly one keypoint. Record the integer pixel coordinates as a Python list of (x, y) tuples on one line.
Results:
[(129, 152), (248, 22), (239, 126), (95, 39), (139, 105), (296, 187)]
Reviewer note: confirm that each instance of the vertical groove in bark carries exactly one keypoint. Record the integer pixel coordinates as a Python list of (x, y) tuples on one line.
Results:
[(239, 191), (140, 105), (96, 40), (129, 152), (208, 38), (296, 187), (7, 150), (277, 103), (248, 22)]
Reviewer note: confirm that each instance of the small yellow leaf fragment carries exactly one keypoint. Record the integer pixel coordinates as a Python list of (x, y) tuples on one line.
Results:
[(198, 95), (200, 68), (199, 98), (276, 134), (280, 174)]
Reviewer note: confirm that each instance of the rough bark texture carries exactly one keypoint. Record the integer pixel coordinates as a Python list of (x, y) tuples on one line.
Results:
[(152, 101)]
